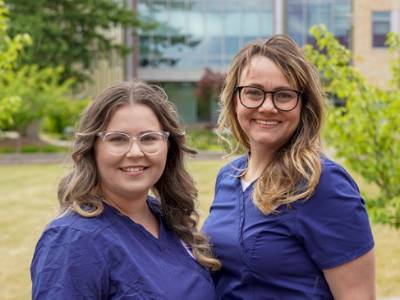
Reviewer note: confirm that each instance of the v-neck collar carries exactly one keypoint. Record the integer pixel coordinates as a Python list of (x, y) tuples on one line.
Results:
[(155, 209)]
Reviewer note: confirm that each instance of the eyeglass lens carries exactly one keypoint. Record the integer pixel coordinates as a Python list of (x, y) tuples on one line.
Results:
[(119, 143), (253, 97)]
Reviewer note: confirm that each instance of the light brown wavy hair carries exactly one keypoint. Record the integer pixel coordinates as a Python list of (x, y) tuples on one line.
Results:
[(78, 190), (295, 170)]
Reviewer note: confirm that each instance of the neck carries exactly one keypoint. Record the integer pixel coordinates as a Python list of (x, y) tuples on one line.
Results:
[(135, 207), (131, 208), (258, 161)]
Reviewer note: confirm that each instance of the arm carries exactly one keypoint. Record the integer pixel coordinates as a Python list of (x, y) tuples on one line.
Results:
[(336, 233), (353, 280)]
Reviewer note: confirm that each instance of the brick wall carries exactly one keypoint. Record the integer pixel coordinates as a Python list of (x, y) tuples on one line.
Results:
[(374, 63)]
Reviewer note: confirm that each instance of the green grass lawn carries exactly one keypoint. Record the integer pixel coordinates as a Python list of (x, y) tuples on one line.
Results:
[(28, 202)]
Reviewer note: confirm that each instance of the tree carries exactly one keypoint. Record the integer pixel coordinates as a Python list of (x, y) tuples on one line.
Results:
[(37, 89), (9, 51), (364, 131), (207, 89), (28, 93), (70, 33)]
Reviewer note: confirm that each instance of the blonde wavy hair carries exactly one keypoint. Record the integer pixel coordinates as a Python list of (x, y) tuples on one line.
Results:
[(295, 170), (78, 190)]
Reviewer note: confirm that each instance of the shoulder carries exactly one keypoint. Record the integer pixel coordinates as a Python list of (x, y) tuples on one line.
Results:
[(70, 251), (75, 222), (73, 230), (234, 168), (333, 223), (335, 178)]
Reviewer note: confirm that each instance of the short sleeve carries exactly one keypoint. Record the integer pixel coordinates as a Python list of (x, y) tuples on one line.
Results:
[(68, 265), (333, 224), (218, 180)]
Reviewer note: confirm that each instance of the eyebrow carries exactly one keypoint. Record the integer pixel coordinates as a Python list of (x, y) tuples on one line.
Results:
[(257, 85), (141, 132)]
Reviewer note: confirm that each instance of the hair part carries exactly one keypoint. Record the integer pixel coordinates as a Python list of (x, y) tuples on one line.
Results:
[(294, 172), (79, 189)]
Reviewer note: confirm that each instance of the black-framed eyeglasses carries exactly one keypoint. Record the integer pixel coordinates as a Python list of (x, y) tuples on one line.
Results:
[(283, 99), (119, 143)]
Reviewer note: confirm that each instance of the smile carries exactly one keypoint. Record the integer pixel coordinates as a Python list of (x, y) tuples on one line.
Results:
[(133, 169), (267, 122)]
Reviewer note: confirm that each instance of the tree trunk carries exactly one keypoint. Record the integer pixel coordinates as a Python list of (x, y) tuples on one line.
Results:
[(32, 132)]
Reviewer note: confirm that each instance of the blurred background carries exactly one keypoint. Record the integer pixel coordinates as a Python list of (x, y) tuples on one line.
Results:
[(55, 56)]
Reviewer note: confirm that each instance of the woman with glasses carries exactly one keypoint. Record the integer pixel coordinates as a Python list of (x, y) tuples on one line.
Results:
[(286, 221), (112, 240)]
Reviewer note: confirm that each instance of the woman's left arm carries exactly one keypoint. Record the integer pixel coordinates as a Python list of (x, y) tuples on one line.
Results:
[(353, 280)]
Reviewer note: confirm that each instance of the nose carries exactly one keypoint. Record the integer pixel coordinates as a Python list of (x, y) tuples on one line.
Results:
[(134, 150), (268, 104)]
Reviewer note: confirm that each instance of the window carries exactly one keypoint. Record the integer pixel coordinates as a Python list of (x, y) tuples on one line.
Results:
[(335, 14), (380, 28)]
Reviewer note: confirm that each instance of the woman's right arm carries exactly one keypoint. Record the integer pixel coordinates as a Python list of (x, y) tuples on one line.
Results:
[(67, 265)]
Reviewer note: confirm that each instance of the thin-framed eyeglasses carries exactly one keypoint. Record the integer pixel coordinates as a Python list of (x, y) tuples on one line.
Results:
[(284, 99), (119, 143)]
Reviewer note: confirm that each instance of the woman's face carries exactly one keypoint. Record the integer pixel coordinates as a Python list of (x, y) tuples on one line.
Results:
[(130, 175), (266, 127)]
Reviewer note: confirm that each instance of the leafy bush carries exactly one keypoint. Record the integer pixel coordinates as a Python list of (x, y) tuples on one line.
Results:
[(34, 149), (203, 139), (38, 89), (9, 51), (364, 131), (61, 116), (28, 93)]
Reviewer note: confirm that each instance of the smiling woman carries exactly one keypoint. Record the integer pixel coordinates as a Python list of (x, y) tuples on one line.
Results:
[(286, 222), (112, 240)]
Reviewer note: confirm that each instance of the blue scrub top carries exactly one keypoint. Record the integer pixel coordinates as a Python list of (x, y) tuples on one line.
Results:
[(282, 255), (112, 257)]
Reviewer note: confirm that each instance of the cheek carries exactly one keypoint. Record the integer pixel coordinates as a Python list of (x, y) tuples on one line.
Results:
[(104, 162), (161, 160), (296, 117), (242, 116)]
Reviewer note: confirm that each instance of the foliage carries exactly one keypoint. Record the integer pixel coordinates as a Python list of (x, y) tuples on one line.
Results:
[(203, 139), (207, 89), (27, 92), (365, 130), (39, 91), (70, 33), (9, 51), (62, 115), (393, 42), (47, 148)]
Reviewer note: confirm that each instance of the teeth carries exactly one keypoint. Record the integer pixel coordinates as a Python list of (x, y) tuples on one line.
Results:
[(133, 169), (265, 122)]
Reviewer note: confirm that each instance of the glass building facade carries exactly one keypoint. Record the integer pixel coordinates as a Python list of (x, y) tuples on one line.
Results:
[(334, 14), (200, 33), (195, 34)]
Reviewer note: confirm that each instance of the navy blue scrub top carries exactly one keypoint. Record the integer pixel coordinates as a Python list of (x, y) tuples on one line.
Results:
[(112, 257), (282, 255)]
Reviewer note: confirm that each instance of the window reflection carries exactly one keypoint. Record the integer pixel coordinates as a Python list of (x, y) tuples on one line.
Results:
[(334, 14), (197, 33)]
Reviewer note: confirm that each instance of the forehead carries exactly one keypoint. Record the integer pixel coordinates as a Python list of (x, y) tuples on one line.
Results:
[(262, 68), (134, 117)]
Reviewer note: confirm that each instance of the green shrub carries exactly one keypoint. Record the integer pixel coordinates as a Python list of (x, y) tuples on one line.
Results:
[(364, 131), (203, 139)]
